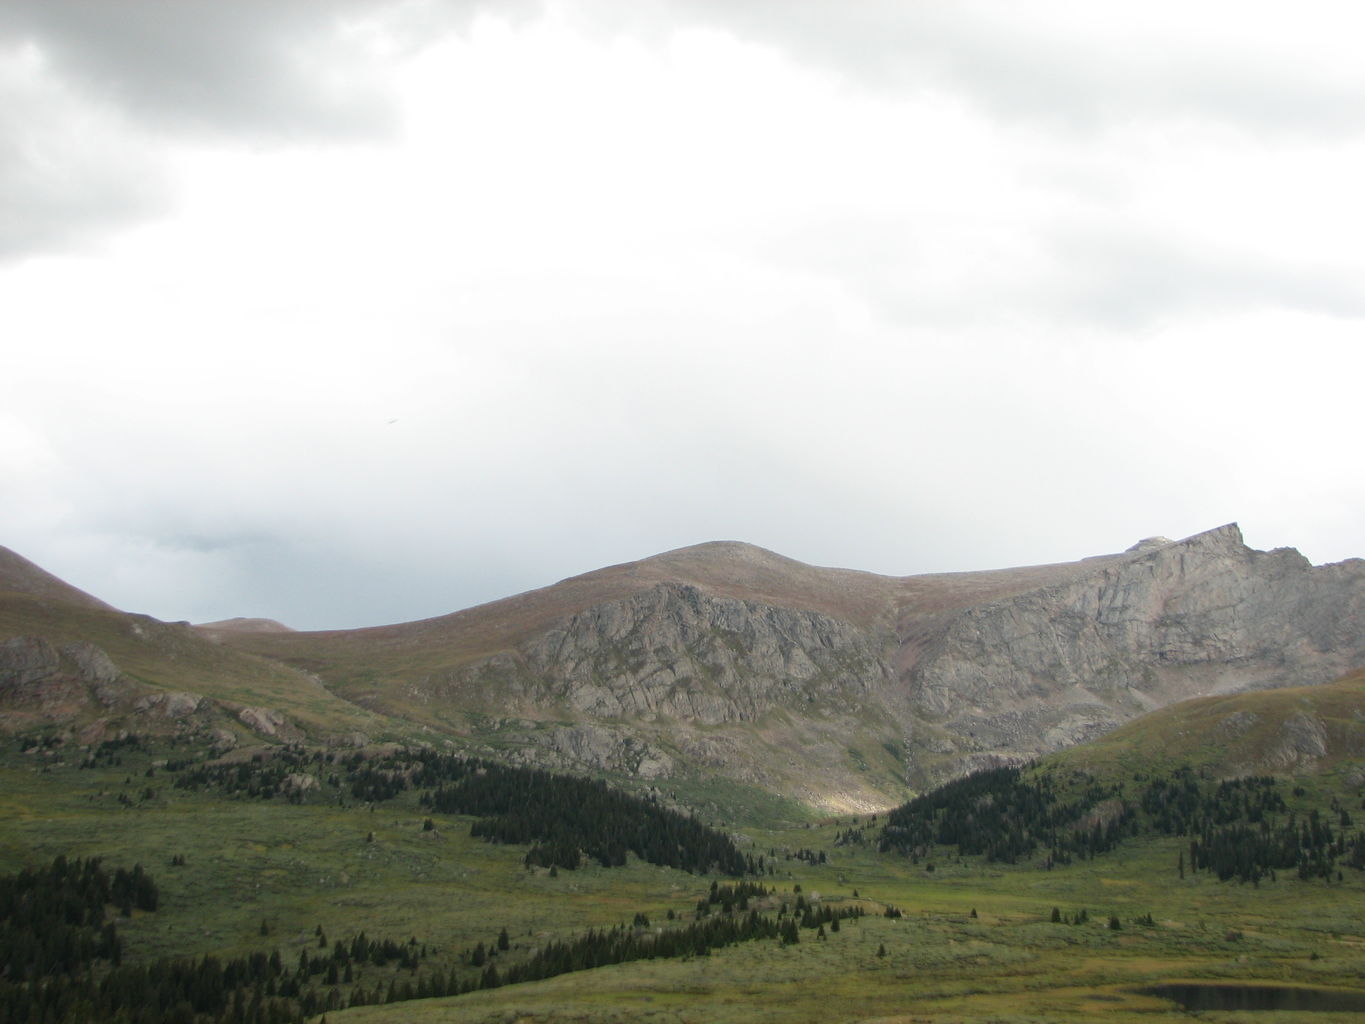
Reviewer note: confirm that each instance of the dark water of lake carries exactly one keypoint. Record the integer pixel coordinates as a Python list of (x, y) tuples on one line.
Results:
[(1211, 996)]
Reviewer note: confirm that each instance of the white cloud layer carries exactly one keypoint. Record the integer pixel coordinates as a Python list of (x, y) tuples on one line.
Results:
[(345, 314)]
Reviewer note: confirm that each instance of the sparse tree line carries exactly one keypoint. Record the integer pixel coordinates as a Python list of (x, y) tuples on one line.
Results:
[(852, 836), (724, 926), (1250, 853), (260, 778), (1240, 829), (563, 818), (52, 920), (62, 962), (1243, 829), (1004, 816), (729, 898), (108, 753)]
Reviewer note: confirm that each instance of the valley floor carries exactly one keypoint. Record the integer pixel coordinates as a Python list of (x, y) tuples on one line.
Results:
[(975, 941)]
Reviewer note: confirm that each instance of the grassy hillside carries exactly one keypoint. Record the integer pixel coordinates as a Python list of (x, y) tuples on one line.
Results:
[(20, 576), (974, 942), (1305, 729), (173, 656)]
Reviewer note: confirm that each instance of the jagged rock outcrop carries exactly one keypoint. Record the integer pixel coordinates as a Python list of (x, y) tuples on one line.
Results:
[(1174, 620), (1302, 741), (675, 679), (25, 660), (611, 749), (79, 687), (169, 705), (965, 670), (269, 722), (676, 651), (39, 679)]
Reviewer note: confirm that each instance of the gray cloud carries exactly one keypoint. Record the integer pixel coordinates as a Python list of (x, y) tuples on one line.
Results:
[(1052, 64), (1099, 272), (1132, 280), (278, 69), (882, 303), (91, 92), (64, 178)]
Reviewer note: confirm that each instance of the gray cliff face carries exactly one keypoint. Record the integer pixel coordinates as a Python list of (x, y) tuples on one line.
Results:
[(650, 683), (678, 652), (675, 652), (37, 676), (675, 679), (1206, 615), (77, 686)]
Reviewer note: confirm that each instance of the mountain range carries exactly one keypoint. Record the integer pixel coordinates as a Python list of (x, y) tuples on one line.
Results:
[(839, 689)]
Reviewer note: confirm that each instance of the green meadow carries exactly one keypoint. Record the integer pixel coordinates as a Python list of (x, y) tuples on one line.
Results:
[(974, 942)]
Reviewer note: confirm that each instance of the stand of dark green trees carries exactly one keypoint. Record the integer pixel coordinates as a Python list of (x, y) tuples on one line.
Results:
[(1241, 829), (62, 960), (561, 817), (1004, 815)]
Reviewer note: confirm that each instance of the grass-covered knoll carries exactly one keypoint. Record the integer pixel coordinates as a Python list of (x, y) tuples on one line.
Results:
[(1296, 730), (174, 657)]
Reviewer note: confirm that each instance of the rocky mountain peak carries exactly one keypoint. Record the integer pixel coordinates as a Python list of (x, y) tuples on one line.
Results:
[(1149, 544)]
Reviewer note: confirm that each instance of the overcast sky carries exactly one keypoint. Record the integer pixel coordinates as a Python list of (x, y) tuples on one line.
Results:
[(358, 312)]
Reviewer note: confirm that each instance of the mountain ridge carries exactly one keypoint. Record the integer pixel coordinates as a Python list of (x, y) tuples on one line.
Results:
[(702, 654), (839, 687), (19, 575)]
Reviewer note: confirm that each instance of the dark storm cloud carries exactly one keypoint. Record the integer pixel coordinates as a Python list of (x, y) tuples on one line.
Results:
[(274, 68), (63, 178), (92, 90)]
